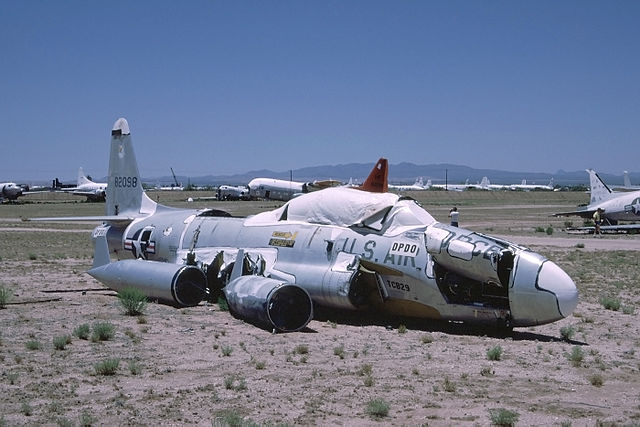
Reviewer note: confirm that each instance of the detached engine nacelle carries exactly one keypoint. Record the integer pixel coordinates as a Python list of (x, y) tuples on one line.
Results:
[(174, 284), (269, 302)]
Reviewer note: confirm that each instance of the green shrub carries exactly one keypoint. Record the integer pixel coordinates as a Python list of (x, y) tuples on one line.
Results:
[(301, 349), (134, 367), (227, 350), (567, 332), (494, 353), (107, 367), (549, 230), (33, 345), (577, 356), (402, 329), (59, 343), (539, 229), (610, 303), (378, 408), (365, 369), (133, 301), (339, 351), (596, 380), (5, 296), (503, 417), (580, 245), (222, 304), (82, 331), (103, 331), (426, 339)]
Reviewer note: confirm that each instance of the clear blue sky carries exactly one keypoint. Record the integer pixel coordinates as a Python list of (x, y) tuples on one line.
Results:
[(219, 87)]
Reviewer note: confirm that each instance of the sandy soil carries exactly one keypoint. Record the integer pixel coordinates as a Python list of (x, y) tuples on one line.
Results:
[(200, 365)]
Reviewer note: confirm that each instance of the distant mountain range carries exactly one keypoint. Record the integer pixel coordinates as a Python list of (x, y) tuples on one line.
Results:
[(401, 173)]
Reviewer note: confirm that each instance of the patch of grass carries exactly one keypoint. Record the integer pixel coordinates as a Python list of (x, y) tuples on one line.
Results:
[(627, 309), (133, 301), (107, 367), (222, 304), (226, 350), (365, 369), (402, 329), (235, 382), (567, 332), (503, 417), (596, 380), (82, 331), (576, 356), (339, 351), (134, 367), (368, 381), (426, 339), (103, 331), (26, 409), (487, 371), (260, 364), (5, 296), (610, 303), (301, 349), (448, 385), (377, 408), (86, 419), (59, 343), (33, 256), (539, 229), (33, 345), (494, 353)]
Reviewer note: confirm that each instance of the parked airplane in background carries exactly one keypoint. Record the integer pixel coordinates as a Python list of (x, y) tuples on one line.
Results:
[(280, 189), (93, 191), (616, 206), (10, 191), (341, 248), (528, 187), (627, 184), (451, 187), (230, 192), (419, 185)]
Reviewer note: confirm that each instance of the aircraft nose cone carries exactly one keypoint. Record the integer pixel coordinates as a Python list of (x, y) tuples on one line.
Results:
[(553, 279)]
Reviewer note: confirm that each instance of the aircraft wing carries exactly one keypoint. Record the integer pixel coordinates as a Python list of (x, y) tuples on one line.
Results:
[(103, 218), (584, 213)]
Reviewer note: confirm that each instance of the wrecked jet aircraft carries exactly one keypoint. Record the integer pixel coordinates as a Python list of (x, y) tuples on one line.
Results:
[(340, 248)]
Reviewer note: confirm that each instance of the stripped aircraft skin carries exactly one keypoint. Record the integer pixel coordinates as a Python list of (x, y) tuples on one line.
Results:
[(358, 249)]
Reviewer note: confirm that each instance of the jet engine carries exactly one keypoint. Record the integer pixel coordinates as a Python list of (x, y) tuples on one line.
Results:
[(269, 302), (181, 285)]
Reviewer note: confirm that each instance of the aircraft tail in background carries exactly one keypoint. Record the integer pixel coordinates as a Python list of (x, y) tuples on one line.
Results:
[(377, 181), (599, 190)]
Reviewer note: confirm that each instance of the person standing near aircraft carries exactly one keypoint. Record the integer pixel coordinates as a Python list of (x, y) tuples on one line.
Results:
[(454, 214), (597, 220)]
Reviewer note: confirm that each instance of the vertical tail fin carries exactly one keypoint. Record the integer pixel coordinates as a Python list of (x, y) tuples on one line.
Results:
[(124, 188), (485, 182), (376, 182), (627, 181), (599, 190), (82, 178)]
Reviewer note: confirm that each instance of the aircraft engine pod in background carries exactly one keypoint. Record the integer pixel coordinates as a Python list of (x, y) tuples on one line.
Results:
[(180, 285), (470, 254), (285, 306)]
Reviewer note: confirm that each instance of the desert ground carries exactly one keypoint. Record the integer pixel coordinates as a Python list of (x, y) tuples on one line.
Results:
[(202, 366)]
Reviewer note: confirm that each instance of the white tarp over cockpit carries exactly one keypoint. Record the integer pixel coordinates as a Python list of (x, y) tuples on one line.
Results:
[(346, 207)]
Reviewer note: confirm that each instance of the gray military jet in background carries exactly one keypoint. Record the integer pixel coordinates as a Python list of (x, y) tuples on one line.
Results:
[(358, 249), (616, 207)]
